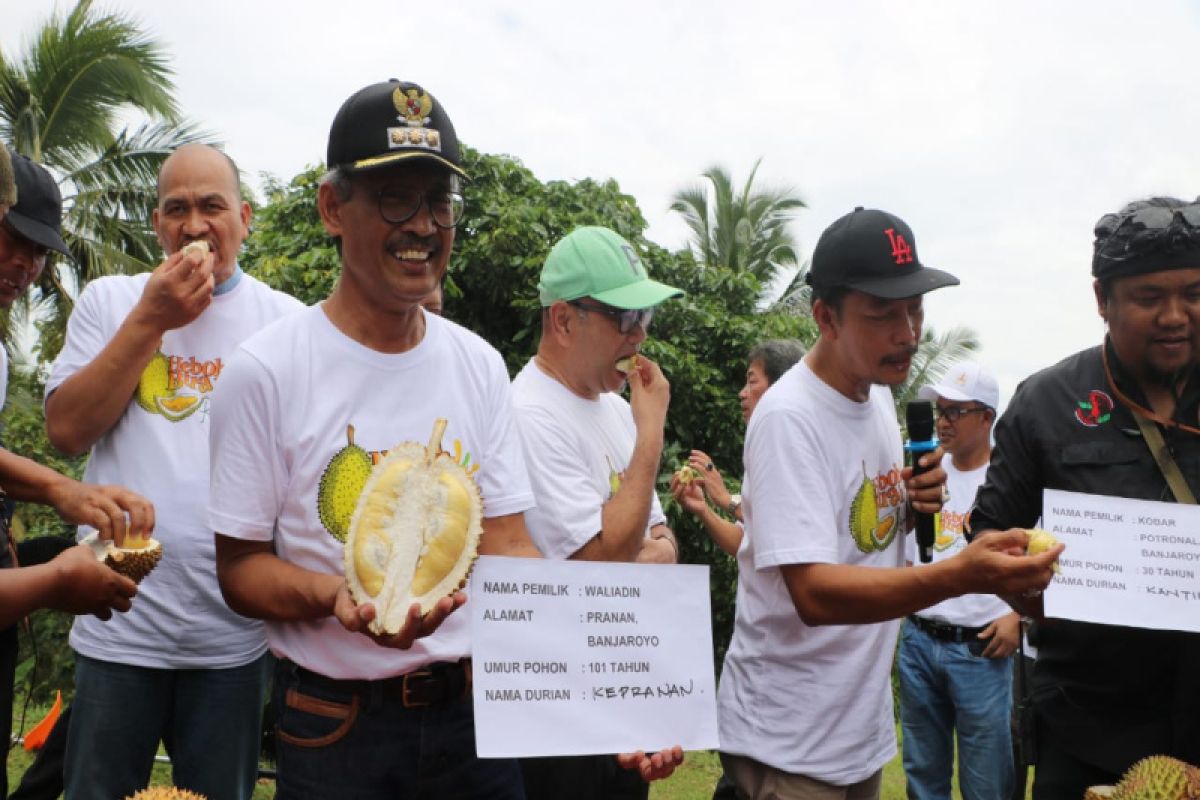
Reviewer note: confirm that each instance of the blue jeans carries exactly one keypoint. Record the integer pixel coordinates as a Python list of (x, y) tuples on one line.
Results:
[(946, 686), (340, 745), (209, 719)]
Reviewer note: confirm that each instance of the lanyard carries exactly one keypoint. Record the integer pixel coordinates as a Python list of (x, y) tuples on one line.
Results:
[(1138, 408)]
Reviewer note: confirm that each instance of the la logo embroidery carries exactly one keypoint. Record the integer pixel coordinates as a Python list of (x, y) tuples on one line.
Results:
[(901, 249)]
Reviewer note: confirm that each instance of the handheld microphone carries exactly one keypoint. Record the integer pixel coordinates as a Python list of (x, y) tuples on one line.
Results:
[(919, 420)]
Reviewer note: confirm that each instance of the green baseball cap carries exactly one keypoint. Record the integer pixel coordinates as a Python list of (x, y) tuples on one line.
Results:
[(596, 262)]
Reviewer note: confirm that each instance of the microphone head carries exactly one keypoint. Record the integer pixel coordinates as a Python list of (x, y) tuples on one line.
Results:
[(919, 420)]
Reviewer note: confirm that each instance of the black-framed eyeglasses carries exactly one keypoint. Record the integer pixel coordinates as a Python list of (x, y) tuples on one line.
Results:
[(626, 318), (953, 414), (397, 206), (1145, 224)]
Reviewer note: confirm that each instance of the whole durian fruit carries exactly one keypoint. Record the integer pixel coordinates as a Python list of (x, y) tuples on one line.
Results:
[(415, 532), (1153, 778), (165, 793)]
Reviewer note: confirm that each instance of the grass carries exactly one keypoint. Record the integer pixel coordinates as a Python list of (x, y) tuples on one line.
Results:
[(693, 781)]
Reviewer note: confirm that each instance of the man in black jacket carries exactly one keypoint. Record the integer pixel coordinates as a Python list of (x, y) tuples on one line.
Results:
[(1104, 695)]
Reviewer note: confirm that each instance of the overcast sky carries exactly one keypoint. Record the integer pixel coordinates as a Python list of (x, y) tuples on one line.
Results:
[(999, 131)]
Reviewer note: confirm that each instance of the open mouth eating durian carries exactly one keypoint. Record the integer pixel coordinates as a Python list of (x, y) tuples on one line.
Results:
[(415, 532)]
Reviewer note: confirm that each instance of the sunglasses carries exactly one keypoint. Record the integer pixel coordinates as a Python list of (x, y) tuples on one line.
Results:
[(626, 318), (398, 206), (956, 413)]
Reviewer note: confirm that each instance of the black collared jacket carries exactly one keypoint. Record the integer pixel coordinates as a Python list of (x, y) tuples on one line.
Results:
[(1108, 694)]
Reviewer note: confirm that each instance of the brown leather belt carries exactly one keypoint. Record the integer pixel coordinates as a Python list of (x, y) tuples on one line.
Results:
[(437, 684), (945, 632)]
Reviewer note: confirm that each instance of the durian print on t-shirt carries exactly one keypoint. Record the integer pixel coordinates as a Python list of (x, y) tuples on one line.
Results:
[(176, 387), (346, 474), (877, 510)]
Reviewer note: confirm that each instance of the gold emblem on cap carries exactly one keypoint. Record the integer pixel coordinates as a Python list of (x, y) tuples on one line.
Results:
[(414, 106)]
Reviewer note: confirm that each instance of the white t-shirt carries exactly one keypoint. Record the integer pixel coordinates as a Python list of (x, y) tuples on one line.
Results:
[(813, 701), (179, 620), (576, 450), (969, 610), (283, 413)]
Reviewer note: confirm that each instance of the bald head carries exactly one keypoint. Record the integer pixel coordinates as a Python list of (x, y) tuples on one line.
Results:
[(205, 153)]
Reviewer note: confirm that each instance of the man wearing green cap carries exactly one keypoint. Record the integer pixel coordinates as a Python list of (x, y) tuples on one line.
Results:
[(592, 456)]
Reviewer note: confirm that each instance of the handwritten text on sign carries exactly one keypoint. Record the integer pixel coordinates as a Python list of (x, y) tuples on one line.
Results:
[(575, 657), (1127, 562)]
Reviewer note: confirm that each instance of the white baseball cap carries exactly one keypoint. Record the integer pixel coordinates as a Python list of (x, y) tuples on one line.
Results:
[(965, 381)]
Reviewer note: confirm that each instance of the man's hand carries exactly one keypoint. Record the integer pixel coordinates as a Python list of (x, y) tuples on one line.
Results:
[(86, 586), (113, 510), (926, 491), (649, 396), (356, 618), (652, 767), (178, 291), (690, 495), (996, 564), (1005, 635), (656, 550)]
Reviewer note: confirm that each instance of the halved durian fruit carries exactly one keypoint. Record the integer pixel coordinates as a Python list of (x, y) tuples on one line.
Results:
[(415, 532), (135, 560)]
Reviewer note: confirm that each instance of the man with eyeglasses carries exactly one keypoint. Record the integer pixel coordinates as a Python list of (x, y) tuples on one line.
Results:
[(593, 457), (361, 715), (134, 385), (954, 661), (1106, 696)]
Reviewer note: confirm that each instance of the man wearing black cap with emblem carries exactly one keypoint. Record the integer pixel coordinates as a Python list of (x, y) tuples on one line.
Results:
[(1106, 696), (73, 580), (805, 704), (359, 373)]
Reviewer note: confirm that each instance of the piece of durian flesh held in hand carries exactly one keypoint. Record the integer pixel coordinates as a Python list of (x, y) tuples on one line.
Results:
[(686, 474), (415, 532), (199, 246), (137, 556), (1039, 542), (627, 365)]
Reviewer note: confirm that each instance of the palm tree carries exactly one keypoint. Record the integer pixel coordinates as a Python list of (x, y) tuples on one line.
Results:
[(746, 231), (60, 104), (935, 354)]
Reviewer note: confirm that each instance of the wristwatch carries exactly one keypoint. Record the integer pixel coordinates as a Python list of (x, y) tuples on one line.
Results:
[(735, 502)]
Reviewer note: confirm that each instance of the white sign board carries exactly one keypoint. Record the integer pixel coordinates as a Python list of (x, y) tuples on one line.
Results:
[(578, 657), (1127, 562)]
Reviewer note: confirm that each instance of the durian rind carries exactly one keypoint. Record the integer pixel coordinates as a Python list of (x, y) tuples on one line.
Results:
[(165, 793), (414, 535), (1158, 778), (135, 563)]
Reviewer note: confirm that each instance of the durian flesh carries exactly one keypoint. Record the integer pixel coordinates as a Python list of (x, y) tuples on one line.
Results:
[(414, 534)]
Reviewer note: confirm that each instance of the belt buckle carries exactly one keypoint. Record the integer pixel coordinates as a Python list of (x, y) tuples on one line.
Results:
[(417, 674)]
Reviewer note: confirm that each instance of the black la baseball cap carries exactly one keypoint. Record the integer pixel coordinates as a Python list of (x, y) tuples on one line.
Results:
[(38, 213), (387, 123), (873, 252)]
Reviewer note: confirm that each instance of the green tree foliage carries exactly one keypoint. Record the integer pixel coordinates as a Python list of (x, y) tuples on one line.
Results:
[(62, 103), (512, 221)]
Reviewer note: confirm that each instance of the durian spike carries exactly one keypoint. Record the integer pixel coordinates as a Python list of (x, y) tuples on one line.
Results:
[(435, 441)]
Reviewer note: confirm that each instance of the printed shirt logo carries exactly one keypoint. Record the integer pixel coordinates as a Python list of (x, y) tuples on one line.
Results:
[(345, 477), (414, 107), (948, 529), (877, 511), (635, 263), (1096, 410), (901, 250), (175, 387), (614, 478)]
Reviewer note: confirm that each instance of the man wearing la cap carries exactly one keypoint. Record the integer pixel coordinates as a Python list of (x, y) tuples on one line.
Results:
[(1105, 696), (593, 457), (805, 706), (955, 662), (73, 580), (133, 384), (357, 719)]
